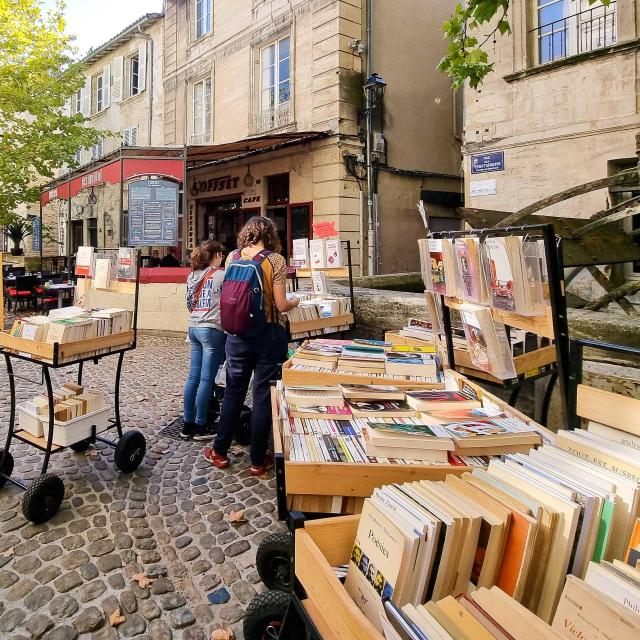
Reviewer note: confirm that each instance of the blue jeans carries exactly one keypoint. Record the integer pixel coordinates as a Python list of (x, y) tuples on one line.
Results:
[(207, 354)]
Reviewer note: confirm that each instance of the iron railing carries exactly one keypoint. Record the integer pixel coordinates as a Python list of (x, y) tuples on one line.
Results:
[(579, 33), (275, 118)]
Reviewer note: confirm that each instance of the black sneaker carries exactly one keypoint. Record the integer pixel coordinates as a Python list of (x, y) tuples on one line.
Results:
[(203, 433), (188, 429)]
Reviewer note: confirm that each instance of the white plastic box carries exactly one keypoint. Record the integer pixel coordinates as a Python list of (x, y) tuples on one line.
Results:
[(65, 433)]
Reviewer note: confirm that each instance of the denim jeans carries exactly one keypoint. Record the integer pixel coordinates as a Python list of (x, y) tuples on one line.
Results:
[(262, 356), (207, 354)]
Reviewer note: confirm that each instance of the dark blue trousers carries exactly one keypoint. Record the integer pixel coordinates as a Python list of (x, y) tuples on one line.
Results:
[(261, 355)]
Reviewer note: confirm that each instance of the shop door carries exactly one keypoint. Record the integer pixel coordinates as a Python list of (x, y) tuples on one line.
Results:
[(223, 221), (300, 220), (76, 235)]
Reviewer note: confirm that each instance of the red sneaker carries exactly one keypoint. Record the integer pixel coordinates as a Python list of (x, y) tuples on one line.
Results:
[(261, 469), (220, 462)]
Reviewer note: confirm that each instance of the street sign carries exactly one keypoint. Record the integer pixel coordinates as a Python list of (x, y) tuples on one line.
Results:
[(487, 162), (153, 213), (36, 234)]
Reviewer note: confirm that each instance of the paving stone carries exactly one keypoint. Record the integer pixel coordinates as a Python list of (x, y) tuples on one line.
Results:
[(91, 590), (123, 541), (194, 633), (204, 613), (161, 585), (63, 606), (11, 619), (128, 602), (68, 581), (109, 605), (149, 609), (38, 598), (236, 548), (200, 566), (50, 552), (89, 620), (27, 565), (106, 633), (172, 601), (72, 542), (116, 581), (52, 535), (100, 548), (20, 590), (158, 630), (217, 555), (7, 578), (183, 541), (65, 632), (78, 526), (231, 613), (133, 626), (229, 573), (38, 624), (181, 618), (89, 571), (75, 559), (191, 553), (110, 562), (99, 533)]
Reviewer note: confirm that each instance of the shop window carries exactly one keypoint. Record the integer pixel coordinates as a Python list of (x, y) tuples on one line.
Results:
[(275, 85), (92, 228), (201, 112), (278, 189), (204, 17)]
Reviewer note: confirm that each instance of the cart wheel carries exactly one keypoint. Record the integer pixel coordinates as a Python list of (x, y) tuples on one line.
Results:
[(243, 430), (80, 447), (43, 498), (130, 451), (265, 615), (273, 561), (7, 466)]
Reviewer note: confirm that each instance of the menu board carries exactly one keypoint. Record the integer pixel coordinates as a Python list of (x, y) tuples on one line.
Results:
[(153, 213)]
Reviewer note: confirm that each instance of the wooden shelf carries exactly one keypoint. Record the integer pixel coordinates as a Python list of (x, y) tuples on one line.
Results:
[(333, 272), (321, 323), (40, 443)]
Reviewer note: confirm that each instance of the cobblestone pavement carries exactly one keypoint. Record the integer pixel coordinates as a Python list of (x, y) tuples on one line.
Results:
[(63, 579)]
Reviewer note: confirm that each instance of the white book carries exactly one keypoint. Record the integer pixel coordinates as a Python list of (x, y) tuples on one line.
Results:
[(301, 253), (318, 254), (102, 276), (333, 248)]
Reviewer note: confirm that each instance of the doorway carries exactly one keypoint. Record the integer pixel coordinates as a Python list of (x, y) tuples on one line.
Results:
[(77, 228)]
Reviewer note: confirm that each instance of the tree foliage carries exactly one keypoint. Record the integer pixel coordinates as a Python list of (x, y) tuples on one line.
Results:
[(466, 59), (38, 73)]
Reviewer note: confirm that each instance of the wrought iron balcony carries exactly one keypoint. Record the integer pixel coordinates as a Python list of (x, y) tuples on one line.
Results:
[(200, 138), (274, 118), (579, 33)]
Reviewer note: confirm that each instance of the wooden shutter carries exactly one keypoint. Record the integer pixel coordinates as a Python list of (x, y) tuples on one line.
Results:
[(142, 66), (106, 87), (117, 91), (85, 98), (133, 136)]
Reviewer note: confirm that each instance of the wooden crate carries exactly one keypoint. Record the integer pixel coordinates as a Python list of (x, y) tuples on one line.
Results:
[(321, 323), (321, 545), (66, 350)]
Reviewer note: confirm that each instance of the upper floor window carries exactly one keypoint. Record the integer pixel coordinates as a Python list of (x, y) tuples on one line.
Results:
[(97, 150), (204, 17), (202, 111), (275, 85), (76, 104), (130, 136), (569, 27), (134, 75), (100, 90)]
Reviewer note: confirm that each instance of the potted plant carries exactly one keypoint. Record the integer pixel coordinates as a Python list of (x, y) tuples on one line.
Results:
[(17, 231)]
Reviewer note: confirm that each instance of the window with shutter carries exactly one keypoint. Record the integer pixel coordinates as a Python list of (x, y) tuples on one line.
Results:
[(106, 86), (77, 102), (142, 66), (86, 97), (202, 112), (133, 75), (134, 136), (117, 75)]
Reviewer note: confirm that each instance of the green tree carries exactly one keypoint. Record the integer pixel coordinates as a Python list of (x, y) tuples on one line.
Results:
[(466, 60), (38, 73)]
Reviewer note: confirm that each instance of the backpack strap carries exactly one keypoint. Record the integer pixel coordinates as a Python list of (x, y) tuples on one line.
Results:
[(261, 255), (204, 281)]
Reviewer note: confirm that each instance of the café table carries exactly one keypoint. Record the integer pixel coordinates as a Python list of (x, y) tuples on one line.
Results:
[(60, 289)]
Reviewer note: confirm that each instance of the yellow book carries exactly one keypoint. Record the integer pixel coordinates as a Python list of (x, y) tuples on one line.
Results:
[(463, 619)]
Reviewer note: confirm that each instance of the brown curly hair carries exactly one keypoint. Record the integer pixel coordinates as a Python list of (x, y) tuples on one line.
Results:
[(259, 229), (204, 253)]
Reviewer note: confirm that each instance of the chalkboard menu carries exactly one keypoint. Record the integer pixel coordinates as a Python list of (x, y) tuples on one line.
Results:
[(153, 213)]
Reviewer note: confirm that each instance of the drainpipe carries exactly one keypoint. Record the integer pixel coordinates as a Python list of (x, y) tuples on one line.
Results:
[(149, 77), (372, 258)]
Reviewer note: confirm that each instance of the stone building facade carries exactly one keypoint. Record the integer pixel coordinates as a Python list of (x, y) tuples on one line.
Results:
[(255, 68), (559, 109)]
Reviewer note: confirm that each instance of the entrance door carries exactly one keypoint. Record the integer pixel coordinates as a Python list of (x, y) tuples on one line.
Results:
[(223, 221), (76, 235)]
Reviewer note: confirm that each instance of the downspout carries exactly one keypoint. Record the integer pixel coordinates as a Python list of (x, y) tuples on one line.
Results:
[(372, 259), (149, 75)]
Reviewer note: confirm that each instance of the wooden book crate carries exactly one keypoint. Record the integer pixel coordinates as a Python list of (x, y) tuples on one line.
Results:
[(321, 545)]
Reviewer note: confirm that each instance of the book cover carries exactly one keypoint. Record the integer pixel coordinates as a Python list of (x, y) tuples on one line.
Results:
[(102, 276), (368, 408), (84, 261), (126, 263), (333, 248), (301, 253), (317, 254), (469, 278), (500, 274), (436, 259), (478, 349)]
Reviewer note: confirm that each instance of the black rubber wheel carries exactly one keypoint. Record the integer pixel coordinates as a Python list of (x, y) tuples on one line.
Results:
[(80, 447), (265, 615), (43, 498), (130, 451), (7, 465), (273, 561), (242, 433)]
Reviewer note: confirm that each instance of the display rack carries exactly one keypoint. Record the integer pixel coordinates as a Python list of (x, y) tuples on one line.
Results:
[(336, 321), (550, 361), (605, 407), (44, 495)]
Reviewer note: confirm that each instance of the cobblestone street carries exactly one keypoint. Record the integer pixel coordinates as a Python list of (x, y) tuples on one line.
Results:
[(63, 579)]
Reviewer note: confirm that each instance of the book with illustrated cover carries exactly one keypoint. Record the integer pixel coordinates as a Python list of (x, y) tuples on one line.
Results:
[(470, 275), (435, 400), (434, 311), (333, 253), (301, 258), (126, 263), (321, 413), (387, 408), (405, 348), (317, 254), (500, 273), (371, 392), (436, 264), (424, 431), (85, 260)]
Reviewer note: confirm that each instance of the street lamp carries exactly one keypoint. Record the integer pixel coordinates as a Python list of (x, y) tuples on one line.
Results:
[(374, 88)]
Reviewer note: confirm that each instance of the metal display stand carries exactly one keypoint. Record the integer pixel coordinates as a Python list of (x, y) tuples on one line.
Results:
[(556, 371), (44, 495), (327, 323)]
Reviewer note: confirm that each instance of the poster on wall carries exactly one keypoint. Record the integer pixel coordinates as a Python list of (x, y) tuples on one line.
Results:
[(153, 213)]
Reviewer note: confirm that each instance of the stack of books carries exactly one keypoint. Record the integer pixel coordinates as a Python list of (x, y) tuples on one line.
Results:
[(362, 359), (317, 309), (413, 362), (70, 401)]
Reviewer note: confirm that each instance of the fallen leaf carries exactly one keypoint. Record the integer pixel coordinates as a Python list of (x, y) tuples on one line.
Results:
[(237, 516), (140, 398), (8, 553), (142, 579), (92, 452), (116, 618), (237, 450), (225, 633)]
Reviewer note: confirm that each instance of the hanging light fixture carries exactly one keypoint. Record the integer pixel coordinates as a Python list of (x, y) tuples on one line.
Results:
[(248, 179), (93, 198)]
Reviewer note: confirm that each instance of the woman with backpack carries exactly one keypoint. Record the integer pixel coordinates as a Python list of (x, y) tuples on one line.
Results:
[(206, 337), (253, 297)]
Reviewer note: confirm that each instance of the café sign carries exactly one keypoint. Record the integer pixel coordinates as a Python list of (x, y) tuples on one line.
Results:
[(214, 186), (92, 179)]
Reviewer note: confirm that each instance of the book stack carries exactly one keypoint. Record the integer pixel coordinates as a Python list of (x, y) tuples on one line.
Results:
[(363, 359), (316, 309), (413, 362), (70, 401)]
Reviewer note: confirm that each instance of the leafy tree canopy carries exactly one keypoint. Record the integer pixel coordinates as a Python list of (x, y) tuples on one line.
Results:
[(466, 60), (38, 73)]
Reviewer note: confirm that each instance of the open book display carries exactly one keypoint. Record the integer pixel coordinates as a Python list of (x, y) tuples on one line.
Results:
[(355, 432), (496, 285)]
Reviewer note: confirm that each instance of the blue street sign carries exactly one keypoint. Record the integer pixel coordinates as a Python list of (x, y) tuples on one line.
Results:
[(487, 162)]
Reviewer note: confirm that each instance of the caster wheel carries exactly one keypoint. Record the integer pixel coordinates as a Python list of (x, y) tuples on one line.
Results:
[(273, 561), (80, 447), (243, 430), (6, 465), (43, 498), (130, 451), (265, 615)]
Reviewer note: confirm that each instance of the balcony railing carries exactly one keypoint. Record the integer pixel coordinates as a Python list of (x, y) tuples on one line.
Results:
[(200, 138), (274, 118), (579, 33)]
